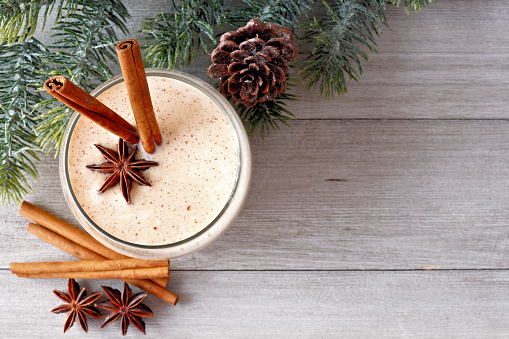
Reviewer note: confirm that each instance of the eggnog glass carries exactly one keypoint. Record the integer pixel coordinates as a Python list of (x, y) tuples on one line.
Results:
[(236, 184)]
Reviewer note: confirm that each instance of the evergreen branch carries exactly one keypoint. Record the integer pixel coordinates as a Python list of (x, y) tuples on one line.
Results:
[(20, 70), (281, 12), (412, 6), (86, 40), (174, 36), (19, 18), (341, 40), (266, 115)]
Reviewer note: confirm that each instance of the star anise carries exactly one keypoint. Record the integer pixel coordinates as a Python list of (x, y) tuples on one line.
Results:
[(123, 168), (126, 306), (78, 305)]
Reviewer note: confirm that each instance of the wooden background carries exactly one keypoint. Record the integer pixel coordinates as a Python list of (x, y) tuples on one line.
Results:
[(411, 242)]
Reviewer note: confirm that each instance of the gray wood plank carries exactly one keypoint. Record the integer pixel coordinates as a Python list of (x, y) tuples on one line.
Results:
[(412, 194), (447, 61), (438, 304)]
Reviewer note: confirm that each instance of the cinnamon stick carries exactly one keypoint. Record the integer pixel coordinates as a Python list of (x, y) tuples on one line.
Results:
[(134, 273), (84, 266), (70, 232), (64, 244), (80, 101), (73, 249), (135, 79), (154, 289)]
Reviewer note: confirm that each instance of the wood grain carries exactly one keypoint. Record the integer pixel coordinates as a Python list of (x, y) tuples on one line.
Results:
[(431, 304), (446, 62), (414, 194)]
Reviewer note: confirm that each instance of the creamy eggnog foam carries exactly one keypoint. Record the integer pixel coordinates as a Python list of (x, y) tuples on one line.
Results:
[(196, 175)]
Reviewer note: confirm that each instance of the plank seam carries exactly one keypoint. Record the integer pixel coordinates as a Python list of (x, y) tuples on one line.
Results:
[(335, 270), (402, 119)]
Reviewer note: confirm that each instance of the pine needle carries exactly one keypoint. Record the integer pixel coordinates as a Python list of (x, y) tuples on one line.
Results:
[(412, 6), (19, 19), (341, 40), (268, 115), (282, 12), (175, 35)]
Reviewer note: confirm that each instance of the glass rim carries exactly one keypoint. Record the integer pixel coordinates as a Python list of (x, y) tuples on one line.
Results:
[(233, 120)]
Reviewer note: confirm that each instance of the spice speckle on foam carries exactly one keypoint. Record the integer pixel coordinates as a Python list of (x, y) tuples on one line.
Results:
[(193, 182)]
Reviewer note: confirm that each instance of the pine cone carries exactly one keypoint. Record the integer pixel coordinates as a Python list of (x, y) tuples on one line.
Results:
[(252, 62)]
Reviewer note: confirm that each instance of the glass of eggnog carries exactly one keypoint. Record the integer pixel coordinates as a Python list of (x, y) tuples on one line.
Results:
[(198, 187)]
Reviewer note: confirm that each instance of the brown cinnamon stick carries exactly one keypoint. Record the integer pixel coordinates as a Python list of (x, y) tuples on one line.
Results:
[(85, 104), (133, 273), (154, 289), (70, 232), (64, 244), (135, 79), (74, 249), (84, 266)]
